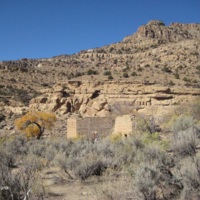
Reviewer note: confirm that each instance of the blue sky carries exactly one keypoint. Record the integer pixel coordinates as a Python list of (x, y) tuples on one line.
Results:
[(46, 28)]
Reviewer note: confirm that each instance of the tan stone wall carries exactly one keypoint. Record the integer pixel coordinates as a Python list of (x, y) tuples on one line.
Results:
[(124, 124), (103, 126), (71, 128)]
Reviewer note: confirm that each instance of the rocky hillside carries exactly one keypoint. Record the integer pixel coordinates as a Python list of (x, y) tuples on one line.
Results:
[(108, 98), (156, 55)]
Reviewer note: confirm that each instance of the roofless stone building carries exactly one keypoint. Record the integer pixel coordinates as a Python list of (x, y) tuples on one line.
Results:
[(102, 126)]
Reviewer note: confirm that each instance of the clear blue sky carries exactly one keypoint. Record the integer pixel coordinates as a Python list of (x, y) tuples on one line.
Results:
[(46, 28)]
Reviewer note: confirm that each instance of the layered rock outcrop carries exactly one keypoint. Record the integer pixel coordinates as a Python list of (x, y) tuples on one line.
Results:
[(156, 29), (112, 98)]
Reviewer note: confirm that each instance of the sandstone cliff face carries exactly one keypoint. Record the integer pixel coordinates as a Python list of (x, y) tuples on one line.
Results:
[(156, 29), (168, 57), (110, 98)]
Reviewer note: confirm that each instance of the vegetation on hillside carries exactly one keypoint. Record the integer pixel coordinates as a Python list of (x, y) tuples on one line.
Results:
[(154, 165)]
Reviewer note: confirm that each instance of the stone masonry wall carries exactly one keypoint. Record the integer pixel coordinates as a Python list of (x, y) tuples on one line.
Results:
[(103, 126), (124, 124)]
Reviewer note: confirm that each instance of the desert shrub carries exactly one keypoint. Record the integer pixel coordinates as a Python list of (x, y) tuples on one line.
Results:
[(2, 86), (107, 73), (185, 142), (64, 145), (155, 139), (146, 180), (186, 79), (9, 184), (147, 66), (181, 123), (50, 154), (118, 153), (17, 184), (92, 72), (60, 161), (147, 124), (85, 159), (166, 69), (17, 146), (115, 137), (125, 75), (117, 188), (105, 149), (194, 109), (152, 152), (79, 148), (191, 173), (176, 75), (152, 172), (111, 49), (171, 83), (7, 158), (110, 77), (115, 61), (77, 74), (38, 149), (195, 81), (2, 117), (89, 168), (156, 66), (89, 72), (188, 172), (134, 74), (140, 157), (198, 67), (125, 69), (140, 69), (119, 51), (183, 116), (138, 143), (124, 155)]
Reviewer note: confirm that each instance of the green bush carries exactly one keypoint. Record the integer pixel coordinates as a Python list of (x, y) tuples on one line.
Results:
[(140, 69), (107, 73), (198, 67), (186, 79), (171, 83), (92, 72), (166, 69), (125, 75), (176, 75), (110, 77), (134, 74)]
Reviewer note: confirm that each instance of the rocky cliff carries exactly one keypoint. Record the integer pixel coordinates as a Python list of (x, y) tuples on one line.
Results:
[(108, 98), (156, 29)]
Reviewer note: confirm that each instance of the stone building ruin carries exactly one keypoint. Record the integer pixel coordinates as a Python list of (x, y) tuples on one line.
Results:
[(102, 126)]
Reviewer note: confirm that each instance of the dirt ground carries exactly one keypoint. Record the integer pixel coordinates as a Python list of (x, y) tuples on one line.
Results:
[(58, 186)]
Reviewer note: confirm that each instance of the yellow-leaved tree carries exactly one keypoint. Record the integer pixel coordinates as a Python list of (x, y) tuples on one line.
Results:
[(34, 123)]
